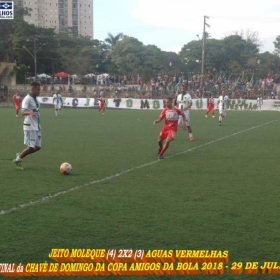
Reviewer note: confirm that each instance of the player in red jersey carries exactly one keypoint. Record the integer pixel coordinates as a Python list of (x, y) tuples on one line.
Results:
[(171, 114), (16, 99), (211, 106), (102, 104)]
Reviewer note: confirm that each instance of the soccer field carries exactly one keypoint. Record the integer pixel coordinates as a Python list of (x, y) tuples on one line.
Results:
[(219, 192)]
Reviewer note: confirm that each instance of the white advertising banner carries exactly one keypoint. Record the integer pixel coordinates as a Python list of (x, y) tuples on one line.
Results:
[(159, 104)]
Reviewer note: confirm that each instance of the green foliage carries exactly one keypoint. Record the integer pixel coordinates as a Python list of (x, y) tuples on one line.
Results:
[(133, 57), (232, 55), (121, 54), (112, 40), (277, 44)]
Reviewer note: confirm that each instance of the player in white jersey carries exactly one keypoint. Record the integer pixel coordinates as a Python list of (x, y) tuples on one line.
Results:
[(184, 103), (57, 102), (222, 104), (259, 103), (31, 125)]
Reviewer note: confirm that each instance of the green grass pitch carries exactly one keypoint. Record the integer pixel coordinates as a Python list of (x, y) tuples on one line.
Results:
[(219, 192)]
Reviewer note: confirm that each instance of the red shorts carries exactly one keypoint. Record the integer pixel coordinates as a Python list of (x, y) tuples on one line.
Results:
[(101, 106), (167, 134), (17, 106), (210, 107)]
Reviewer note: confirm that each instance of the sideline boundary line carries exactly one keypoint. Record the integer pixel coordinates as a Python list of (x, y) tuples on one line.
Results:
[(48, 197)]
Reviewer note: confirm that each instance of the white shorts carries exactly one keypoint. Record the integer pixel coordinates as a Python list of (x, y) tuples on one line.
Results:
[(32, 138), (222, 111), (188, 122), (57, 106)]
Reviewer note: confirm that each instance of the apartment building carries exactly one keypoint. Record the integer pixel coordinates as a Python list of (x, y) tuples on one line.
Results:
[(60, 14)]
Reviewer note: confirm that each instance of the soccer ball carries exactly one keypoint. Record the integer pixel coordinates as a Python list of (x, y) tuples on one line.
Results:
[(65, 168)]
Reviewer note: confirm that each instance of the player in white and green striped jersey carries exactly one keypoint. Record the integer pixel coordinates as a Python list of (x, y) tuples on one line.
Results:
[(222, 104), (57, 101), (31, 124)]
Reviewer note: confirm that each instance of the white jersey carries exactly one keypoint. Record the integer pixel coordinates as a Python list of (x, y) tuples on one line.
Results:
[(31, 104), (57, 99), (183, 100), (259, 101), (223, 102)]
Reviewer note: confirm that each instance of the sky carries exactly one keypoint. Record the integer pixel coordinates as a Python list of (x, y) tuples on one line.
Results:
[(170, 24)]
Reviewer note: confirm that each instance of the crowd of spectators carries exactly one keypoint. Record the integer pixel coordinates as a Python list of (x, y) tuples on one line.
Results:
[(214, 83), (162, 85)]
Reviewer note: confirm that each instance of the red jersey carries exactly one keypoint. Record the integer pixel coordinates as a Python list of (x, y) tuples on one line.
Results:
[(211, 102), (171, 118), (16, 99), (102, 100)]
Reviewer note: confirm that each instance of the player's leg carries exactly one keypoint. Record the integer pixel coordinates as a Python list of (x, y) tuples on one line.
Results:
[(103, 109), (208, 110), (220, 116), (190, 133), (33, 141), (170, 136), (27, 151), (165, 147), (161, 137), (188, 124), (213, 112), (55, 110), (17, 110)]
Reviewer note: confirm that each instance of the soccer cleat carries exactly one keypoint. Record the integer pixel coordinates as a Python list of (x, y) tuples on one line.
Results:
[(206, 116), (17, 116), (191, 139), (18, 164), (213, 117), (160, 156)]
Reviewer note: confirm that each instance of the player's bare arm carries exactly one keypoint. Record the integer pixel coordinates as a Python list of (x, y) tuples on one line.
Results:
[(30, 113), (188, 107), (184, 125), (157, 121)]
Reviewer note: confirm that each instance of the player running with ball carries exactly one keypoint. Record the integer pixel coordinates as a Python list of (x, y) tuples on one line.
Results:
[(171, 115)]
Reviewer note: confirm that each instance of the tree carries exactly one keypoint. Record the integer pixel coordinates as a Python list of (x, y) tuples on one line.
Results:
[(277, 44), (250, 36), (41, 40), (112, 40), (127, 55)]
